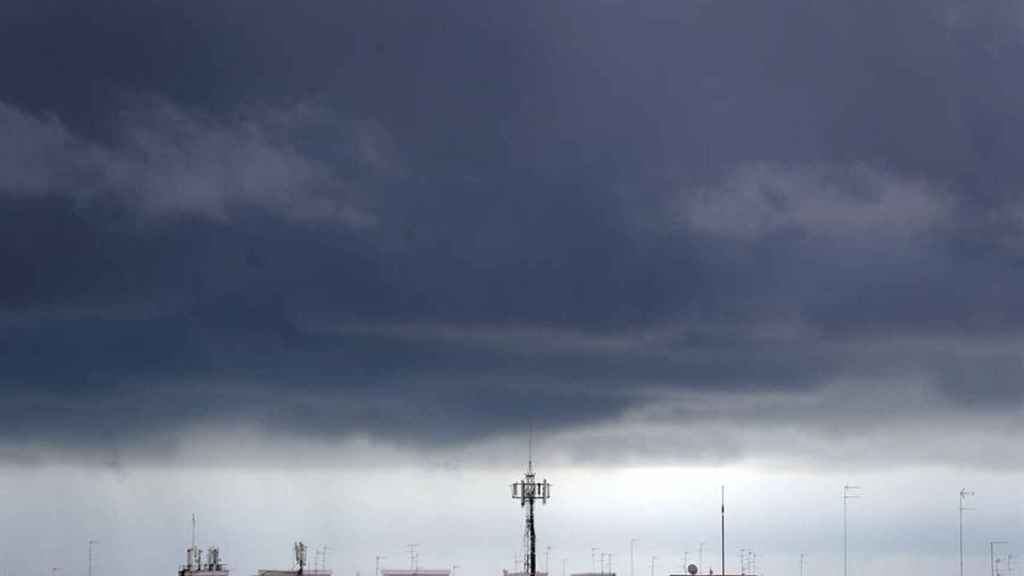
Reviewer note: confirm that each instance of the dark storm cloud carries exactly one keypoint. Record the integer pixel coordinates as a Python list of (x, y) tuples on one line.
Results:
[(416, 221)]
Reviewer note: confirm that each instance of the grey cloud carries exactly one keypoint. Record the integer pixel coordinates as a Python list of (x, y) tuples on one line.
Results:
[(832, 202), (166, 161)]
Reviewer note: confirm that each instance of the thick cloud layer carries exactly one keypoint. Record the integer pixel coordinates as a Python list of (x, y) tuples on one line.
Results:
[(432, 225)]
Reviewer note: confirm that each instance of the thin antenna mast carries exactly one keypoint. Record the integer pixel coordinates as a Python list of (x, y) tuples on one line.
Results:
[(723, 530), (964, 493), (412, 556), (848, 493), (193, 552), (91, 543), (530, 464)]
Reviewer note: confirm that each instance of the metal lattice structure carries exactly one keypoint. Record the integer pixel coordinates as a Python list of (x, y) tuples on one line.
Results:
[(527, 491)]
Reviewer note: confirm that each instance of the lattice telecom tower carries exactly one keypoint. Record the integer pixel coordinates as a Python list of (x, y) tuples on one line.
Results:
[(527, 491)]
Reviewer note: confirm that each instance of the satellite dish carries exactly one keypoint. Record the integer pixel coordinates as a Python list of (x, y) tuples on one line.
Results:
[(692, 569)]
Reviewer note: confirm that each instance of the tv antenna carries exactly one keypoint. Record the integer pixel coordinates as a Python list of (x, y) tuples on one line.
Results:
[(527, 491), (413, 557), (964, 494), (849, 492)]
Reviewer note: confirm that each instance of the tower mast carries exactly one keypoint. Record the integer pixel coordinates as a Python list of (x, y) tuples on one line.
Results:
[(528, 491)]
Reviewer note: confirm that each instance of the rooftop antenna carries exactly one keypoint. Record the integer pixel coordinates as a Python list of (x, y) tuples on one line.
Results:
[(193, 561), (964, 493), (848, 493), (412, 555), (91, 543), (992, 555), (632, 542), (530, 468), (723, 531), (196, 560), (528, 491)]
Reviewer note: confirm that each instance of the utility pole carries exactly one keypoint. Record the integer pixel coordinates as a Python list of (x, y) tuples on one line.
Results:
[(848, 493), (964, 493)]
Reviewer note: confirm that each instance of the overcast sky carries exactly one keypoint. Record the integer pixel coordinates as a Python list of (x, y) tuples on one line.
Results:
[(314, 269)]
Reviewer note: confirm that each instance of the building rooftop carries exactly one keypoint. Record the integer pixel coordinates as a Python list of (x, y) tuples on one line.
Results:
[(293, 573), (416, 572)]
